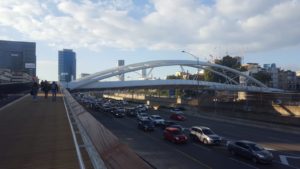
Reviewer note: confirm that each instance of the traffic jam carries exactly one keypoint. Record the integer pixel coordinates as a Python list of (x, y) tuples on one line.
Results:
[(171, 129)]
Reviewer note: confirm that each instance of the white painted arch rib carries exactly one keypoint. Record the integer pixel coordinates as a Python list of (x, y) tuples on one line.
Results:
[(152, 64)]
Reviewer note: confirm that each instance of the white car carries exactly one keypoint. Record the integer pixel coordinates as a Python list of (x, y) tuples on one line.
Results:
[(204, 135), (157, 120)]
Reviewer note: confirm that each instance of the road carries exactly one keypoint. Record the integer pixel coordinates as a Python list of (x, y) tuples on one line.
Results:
[(162, 154)]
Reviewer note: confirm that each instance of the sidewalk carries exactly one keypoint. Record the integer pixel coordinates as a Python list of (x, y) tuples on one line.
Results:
[(36, 135)]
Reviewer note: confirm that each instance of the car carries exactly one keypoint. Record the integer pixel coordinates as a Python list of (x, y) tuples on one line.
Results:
[(250, 150), (142, 116), (177, 116), (131, 112), (204, 135), (141, 108), (157, 120), (118, 112), (181, 128), (174, 135), (175, 110), (167, 123), (146, 125)]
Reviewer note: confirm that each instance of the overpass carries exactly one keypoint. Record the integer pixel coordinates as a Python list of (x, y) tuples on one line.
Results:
[(94, 82)]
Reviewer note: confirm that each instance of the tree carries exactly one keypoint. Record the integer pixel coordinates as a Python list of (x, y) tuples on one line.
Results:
[(228, 61), (262, 76)]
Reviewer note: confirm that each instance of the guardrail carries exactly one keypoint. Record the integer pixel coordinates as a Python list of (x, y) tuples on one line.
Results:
[(104, 148)]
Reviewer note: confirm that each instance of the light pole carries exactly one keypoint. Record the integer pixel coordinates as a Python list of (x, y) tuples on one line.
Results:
[(198, 85)]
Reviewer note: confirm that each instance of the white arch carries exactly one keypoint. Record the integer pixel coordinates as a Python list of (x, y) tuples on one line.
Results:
[(151, 64)]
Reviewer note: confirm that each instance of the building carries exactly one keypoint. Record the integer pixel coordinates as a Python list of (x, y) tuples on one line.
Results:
[(5, 76), (121, 63), (287, 80), (274, 72), (18, 56), (21, 77), (66, 65)]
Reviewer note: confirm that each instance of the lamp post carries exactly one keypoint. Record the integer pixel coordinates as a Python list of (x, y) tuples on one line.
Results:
[(197, 58)]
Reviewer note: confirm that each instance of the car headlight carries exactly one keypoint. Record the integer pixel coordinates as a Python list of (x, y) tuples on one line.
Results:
[(176, 138)]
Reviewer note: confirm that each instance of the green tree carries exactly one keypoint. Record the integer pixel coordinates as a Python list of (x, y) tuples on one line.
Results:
[(228, 61), (262, 76), (173, 77)]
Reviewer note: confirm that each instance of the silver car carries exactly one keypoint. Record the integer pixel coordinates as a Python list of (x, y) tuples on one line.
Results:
[(157, 120), (204, 135)]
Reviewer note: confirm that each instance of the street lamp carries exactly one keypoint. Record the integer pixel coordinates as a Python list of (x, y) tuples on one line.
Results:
[(197, 58)]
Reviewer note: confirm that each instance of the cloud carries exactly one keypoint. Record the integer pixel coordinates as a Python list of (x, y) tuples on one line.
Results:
[(253, 25), (43, 68)]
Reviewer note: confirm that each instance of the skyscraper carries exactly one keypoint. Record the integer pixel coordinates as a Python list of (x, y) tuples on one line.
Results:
[(121, 63), (18, 56), (66, 65)]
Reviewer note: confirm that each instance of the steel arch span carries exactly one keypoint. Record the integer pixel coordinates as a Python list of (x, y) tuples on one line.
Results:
[(96, 77)]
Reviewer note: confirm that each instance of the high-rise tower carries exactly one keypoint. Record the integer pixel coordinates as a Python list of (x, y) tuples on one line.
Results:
[(66, 65)]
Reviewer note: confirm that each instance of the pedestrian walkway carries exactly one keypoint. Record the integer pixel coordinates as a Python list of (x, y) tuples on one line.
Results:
[(36, 135)]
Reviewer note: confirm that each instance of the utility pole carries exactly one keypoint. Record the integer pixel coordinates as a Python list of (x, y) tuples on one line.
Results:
[(198, 83)]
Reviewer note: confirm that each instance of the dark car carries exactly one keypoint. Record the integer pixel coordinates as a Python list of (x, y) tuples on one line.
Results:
[(250, 150), (146, 125), (131, 112), (174, 135), (118, 112), (177, 116), (167, 123)]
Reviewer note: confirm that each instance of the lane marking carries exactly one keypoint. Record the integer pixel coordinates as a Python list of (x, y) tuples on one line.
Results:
[(251, 166), (192, 158), (284, 159), (173, 148)]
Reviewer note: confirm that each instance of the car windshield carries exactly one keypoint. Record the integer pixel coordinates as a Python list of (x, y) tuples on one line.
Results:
[(256, 147), (207, 131), (176, 132)]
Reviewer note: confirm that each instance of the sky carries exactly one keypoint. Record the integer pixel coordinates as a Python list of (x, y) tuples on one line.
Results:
[(103, 31)]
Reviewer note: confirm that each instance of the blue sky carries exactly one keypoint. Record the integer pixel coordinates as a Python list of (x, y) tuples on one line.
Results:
[(103, 31)]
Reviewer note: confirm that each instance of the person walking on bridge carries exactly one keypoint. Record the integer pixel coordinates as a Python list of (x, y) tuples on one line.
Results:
[(54, 90), (34, 90), (46, 88)]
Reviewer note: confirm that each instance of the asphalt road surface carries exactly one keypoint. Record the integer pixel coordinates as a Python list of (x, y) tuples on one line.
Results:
[(162, 154)]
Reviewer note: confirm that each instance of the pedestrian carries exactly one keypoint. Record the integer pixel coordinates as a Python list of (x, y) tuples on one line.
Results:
[(46, 88), (42, 85), (34, 90), (54, 90)]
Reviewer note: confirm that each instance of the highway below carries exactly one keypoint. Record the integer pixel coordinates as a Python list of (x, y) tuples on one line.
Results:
[(162, 154)]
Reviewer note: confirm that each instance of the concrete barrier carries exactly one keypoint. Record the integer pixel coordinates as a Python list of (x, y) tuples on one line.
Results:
[(114, 153)]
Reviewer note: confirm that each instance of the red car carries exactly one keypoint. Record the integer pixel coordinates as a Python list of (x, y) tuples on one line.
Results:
[(175, 135), (177, 116)]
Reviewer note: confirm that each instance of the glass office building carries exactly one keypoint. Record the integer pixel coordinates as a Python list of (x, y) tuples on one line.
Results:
[(66, 65), (18, 56)]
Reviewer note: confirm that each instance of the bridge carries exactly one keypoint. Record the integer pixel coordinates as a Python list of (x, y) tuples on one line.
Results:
[(93, 82)]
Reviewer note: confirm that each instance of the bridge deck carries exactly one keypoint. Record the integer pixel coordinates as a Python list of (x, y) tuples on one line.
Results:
[(36, 135)]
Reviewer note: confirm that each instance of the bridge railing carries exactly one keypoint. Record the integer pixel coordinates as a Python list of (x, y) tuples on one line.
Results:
[(104, 148)]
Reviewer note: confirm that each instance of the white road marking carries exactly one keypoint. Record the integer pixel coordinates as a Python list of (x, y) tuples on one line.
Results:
[(251, 166), (284, 159)]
